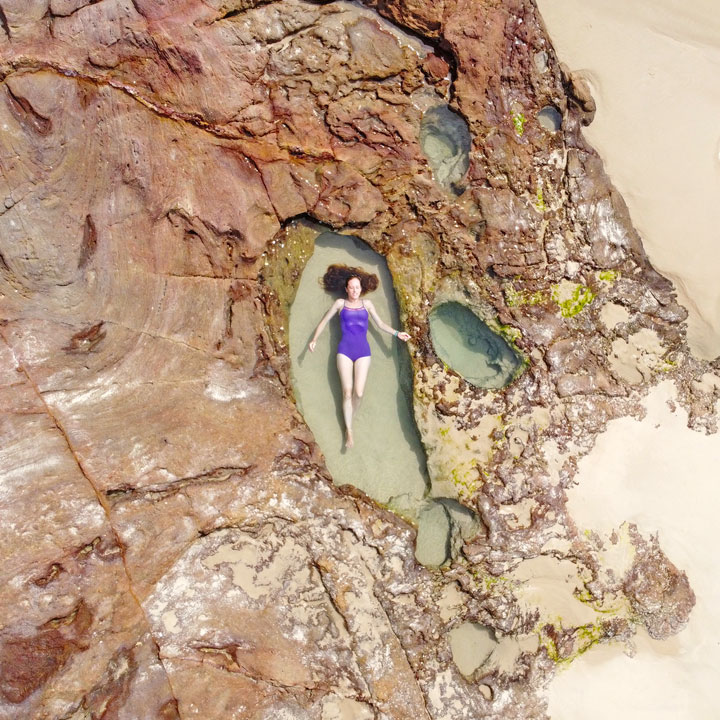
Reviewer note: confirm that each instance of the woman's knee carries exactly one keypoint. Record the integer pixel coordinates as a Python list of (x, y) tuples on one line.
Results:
[(347, 393), (358, 392)]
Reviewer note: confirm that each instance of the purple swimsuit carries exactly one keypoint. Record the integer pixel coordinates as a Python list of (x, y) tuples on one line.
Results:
[(354, 325)]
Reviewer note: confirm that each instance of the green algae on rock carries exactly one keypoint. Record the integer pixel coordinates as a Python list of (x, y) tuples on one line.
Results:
[(468, 346)]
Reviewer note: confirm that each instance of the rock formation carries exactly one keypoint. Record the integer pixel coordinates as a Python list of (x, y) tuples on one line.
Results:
[(173, 545)]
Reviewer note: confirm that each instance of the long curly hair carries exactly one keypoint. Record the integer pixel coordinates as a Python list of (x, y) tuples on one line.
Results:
[(336, 278)]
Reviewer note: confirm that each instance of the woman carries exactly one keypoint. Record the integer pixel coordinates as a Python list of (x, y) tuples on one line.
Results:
[(353, 353)]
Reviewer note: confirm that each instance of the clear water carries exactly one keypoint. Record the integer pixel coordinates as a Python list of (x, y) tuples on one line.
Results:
[(467, 345), (550, 119), (445, 140), (387, 461)]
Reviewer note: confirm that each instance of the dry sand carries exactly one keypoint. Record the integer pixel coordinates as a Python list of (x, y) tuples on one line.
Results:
[(653, 68), (663, 477)]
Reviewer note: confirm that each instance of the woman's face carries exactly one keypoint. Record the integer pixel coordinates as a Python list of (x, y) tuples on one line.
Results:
[(353, 288)]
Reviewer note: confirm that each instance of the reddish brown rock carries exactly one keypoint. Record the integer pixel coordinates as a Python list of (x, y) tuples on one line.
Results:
[(172, 543)]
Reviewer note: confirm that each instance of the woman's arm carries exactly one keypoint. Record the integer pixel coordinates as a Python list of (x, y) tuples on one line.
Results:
[(372, 312), (321, 325)]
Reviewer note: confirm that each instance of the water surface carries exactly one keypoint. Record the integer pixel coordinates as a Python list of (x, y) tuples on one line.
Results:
[(387, 461), (445, 140), (467, 345)]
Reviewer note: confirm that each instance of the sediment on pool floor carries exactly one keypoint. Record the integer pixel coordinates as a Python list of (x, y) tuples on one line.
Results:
[(471, 348), (445, 140)]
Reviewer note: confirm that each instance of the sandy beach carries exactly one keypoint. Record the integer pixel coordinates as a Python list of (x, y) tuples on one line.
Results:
[(652, 68), (661, 476)]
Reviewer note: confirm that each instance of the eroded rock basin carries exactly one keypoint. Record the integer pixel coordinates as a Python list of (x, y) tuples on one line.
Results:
[(467, 345), (387, 461), (445, 140)]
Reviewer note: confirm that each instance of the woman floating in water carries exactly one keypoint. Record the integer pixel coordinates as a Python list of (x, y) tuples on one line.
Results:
[(353, 353)]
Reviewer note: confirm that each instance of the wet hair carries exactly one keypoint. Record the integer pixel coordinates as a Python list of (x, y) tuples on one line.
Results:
[(336, 278)]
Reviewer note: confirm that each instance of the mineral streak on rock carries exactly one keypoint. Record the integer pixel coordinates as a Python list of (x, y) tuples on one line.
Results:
[(171, 542)]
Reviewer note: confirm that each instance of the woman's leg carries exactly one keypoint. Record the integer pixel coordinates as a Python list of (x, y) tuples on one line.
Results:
[(362, 367), (345, 370)]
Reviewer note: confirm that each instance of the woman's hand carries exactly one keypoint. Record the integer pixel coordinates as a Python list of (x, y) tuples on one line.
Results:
[(403, 336), (311, 346)]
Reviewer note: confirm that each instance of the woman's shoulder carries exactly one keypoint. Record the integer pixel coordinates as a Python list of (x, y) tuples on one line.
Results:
[(368, 303)]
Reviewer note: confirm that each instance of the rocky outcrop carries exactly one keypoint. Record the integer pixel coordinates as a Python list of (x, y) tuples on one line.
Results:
[(172, 541)]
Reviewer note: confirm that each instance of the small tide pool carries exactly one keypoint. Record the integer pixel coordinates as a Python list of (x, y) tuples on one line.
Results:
[(470, 348), (550, 119), (445, 140)]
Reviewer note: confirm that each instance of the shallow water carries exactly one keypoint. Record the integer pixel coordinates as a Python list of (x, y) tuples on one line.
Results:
[(387, 461), (467, 345), (445, 140), (550, 119)]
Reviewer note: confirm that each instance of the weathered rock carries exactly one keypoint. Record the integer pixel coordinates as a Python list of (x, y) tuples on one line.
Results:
[(172, 542), (659, 592)]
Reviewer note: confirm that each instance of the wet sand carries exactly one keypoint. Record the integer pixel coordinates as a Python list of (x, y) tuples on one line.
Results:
[(653, 69)]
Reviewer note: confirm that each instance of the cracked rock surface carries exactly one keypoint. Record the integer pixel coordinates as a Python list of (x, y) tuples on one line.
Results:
[(173, 545)]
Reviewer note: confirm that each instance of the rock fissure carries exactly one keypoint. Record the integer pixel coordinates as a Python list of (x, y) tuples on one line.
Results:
[(4, 23), (156, 336), (218, 475), (34, 65)]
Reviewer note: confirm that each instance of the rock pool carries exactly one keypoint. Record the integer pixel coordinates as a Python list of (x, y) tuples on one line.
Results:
[(445, 140), (468, 346), (388, 460)]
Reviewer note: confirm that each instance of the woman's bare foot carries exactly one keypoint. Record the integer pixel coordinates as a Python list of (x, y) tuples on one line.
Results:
[(348, 439)]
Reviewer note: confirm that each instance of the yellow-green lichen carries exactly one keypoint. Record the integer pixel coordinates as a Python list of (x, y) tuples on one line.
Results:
[(540, 200), (510, 333), (571, 298), (586, 637), (519, 121), (517, 298), (465, 478), (620, 607), (485, 581), (608, 276)]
